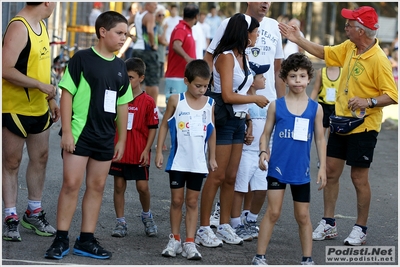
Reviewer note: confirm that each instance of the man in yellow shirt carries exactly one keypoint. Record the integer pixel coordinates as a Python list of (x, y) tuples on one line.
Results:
[(367, 85)]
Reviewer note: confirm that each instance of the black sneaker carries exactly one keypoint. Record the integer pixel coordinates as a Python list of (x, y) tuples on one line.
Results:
[(91, 249), (58, 249)]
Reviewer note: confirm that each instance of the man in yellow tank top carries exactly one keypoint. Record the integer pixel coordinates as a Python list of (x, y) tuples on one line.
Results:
[(28, 111)]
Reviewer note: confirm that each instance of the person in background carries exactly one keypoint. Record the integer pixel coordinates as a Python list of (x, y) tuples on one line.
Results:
[(249, 176), (94, 13), (188, 163), (162, 40), (290, 47), (135, 163), (127, 48), (146, 47), (182, 50), (325, 88), (171, 21), (289, 159), (367, 86), (206, 29), (29, 109), (200, 40), (213, 20)]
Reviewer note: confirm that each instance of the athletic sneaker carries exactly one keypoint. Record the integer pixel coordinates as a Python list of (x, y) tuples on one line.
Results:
[(207, 238), (190, 252), (39, 224), (307, 262), (259, 261), (251, 227), (243, 233), (120, 230), (150, 228), (58, 249), (226, 233), (91, 248), (324, 231), (214, 218), (173, 247), (356, 237), (10, 226)]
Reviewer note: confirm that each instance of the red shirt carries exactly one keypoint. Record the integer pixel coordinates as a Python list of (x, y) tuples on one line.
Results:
[(145, 117), (176, 63)]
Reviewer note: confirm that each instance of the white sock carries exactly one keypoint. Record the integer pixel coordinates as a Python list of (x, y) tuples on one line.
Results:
[(251, 217), (244, 213), (33, 206), (235, 222), (10, 211)]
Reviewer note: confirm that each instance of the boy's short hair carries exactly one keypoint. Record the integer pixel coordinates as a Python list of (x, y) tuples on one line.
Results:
[(108, 20), (197, 68), (294, 62), (136, 64)]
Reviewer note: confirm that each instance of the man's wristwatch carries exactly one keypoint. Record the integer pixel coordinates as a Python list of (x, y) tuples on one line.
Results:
[(374, 102)]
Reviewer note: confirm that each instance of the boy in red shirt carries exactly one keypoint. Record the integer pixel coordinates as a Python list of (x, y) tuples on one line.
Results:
[(134, 165)]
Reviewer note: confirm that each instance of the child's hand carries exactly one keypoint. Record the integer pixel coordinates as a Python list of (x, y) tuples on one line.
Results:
[(118, 151), (159, 160), (321, 178), (67, 142), (263, 161), (144, 159), (213, 165)]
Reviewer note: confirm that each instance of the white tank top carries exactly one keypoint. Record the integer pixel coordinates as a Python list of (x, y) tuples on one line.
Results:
[(139, 44), (238, 78), (190, 130)]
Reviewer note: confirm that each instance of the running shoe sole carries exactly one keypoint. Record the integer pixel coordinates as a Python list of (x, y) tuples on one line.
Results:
[(79, 252), (32, 227), (49, 256)]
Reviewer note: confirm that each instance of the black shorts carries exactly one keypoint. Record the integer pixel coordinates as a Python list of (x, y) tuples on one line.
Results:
[(23, 125), (357, 149), (328, 111), (93, 154), (129, 171), (193, 181), (300, 193)]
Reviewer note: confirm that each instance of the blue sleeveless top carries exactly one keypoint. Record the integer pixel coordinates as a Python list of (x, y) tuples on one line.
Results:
[(290, 158)]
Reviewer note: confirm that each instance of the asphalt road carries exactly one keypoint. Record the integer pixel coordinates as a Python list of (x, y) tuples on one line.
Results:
[(284, 249)]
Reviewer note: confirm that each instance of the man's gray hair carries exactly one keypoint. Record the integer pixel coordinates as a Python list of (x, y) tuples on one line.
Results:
[(368, 32)]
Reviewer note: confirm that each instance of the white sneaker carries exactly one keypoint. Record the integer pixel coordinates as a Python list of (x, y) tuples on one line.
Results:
[(173, 247), (226, 233), (214, 218), (190, 252), (356, 237), (259, 261), (307, 262), (207, 238), (243, 232), (251, 227), (324, 231)]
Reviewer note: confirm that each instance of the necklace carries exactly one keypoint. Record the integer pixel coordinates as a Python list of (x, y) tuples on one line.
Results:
[(346, 90)]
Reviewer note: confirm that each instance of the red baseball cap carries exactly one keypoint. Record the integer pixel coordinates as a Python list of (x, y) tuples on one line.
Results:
[(365, 15), (97, 4)]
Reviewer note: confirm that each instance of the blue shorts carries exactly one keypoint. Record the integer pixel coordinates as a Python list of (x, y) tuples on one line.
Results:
[(232, 132), (174, 86)]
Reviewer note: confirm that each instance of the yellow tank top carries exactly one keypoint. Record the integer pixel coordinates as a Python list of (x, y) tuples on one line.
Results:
[(34, 62), (324, 96)]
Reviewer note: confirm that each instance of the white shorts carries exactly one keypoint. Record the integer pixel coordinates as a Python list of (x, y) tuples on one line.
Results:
[(249, 173), (174, 86)]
